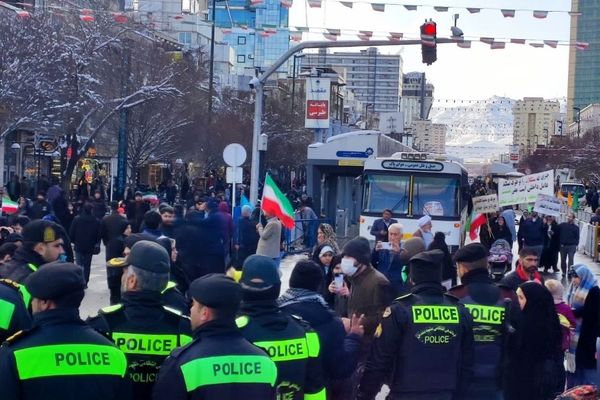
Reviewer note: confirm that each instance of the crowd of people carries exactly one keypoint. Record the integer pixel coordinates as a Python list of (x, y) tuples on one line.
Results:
[(197, 311)]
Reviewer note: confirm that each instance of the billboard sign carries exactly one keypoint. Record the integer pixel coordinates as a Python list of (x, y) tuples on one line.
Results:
[(317, 103)]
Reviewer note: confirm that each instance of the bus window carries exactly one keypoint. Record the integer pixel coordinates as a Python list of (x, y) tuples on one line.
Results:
[(436, 196), (386, 191)]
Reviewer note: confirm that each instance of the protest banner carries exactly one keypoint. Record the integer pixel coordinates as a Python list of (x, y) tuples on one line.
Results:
[(485, 204), (525, 189), (547, 205)]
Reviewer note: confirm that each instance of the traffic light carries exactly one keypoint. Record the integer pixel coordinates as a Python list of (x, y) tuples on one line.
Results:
[(428, 42)]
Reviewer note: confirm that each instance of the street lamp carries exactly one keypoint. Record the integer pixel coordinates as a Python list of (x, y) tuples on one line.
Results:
[(296, 56)]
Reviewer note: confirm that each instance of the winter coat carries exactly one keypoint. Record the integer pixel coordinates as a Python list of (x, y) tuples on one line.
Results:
[(532, 232), (590, 324), (85, 233)]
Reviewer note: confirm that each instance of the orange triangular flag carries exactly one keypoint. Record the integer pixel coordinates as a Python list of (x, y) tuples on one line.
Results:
[(570, 200)]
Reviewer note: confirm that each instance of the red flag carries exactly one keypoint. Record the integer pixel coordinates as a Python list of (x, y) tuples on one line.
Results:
[(476, 223)]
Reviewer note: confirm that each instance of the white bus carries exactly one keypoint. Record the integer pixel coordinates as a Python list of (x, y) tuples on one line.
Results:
[(411, 185)]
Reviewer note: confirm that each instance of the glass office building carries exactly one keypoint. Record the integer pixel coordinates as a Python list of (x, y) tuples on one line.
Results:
[(584, 65), (258, 33)]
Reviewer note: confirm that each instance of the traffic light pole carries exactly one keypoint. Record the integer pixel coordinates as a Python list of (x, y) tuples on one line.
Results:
[(262, 79)]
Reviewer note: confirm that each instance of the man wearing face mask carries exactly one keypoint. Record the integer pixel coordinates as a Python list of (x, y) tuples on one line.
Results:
[(219, 364)]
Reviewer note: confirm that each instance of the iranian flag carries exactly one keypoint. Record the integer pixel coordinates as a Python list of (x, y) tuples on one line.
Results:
[(474, 222), (274, 202), (9, 206), (150, 197)]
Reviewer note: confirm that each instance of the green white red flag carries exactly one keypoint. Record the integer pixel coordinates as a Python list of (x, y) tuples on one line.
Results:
[(9, 206), (474, 222), (274, 202)]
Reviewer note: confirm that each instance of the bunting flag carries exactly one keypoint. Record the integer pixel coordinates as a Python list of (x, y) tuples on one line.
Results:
[(541, 14), (271, 29), (87, 18), (22, 14), (329, 36), (256, 2), (551, 43), (517, 41), (508, 13), (497, 45), (226, 31), (570, 199), (473, 10), (120, 18), (440, 9), (537, 45), (410, 8), (296, 36), (581, 45), (366, 33), (347, 4), (465, 44), (314, 3), (575, 14), (378, 7), (575, 205), (243, 26), (287, 3), (486, 40), (366, 38)]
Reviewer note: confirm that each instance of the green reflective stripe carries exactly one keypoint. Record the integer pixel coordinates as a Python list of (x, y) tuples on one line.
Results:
[(242, 321), (285, 350), (228, 369), (32, 267), (6, 312), (314, 346), (140, 343), (486, 314), (26, 295), (184, 339), (70, 359), (321, 395), (113, 308), (170, 285), (435, 315)]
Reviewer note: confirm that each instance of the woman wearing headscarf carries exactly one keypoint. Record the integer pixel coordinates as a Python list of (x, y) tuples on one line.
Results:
[(535, 368), (584, 299), (325, 237)]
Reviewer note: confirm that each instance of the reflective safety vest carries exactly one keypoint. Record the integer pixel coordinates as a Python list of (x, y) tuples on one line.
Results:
[(24, 292), (489, 328)]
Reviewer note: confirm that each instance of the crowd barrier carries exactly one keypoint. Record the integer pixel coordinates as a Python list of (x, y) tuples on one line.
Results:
[(303, 236), (589, 235)]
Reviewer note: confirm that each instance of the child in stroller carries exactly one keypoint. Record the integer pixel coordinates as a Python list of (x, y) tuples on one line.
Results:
[(500, 259)]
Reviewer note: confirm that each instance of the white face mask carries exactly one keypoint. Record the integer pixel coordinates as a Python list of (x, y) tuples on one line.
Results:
[(348, 267)]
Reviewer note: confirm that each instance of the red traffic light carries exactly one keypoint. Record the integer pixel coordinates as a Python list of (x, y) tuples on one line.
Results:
[(429, 28)]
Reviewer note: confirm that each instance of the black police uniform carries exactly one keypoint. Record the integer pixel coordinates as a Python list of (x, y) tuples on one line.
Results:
[(146, 331), (61, 357), (291, 343), (425, 340), (219, 364), (13, 313)]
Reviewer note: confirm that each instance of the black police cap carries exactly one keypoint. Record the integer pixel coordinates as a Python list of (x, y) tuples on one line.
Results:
[(216, 291), (55, 280), (470, 253), (427, 266), (40, 231)]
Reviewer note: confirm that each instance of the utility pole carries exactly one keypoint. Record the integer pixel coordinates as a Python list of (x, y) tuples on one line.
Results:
[(123, 122), (211, 74), (422, 111), (261, 80)]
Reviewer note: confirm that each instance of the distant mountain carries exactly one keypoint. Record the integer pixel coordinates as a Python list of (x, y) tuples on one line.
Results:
[(468, 122)]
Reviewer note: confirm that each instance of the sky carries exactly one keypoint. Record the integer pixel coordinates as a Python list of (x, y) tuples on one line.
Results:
[(476, 73)]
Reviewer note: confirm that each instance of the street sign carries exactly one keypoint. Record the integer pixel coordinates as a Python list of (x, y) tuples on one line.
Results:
[(234, 155), (233, 175), (513, 154)]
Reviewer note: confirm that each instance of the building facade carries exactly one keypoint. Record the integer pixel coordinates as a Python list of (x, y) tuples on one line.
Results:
[(374, 78), (257, 31), (412, 93), (428, 137), (589, 118), (584, 65), (534, 122)]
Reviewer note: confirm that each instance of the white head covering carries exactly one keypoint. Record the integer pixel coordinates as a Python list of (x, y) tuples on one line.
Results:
[(326, 249), (424, 220)]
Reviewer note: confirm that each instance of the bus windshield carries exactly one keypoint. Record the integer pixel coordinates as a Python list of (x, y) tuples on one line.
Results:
[(431, 195), (573, 188)]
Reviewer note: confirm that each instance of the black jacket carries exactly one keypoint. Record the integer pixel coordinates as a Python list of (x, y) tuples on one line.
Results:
[(532, 232), (111, 227), (415, 340), (247, 236), (568, 234), (85, 233), (338, 350), (300, 374), (590, 330), (24, 262), (146, 332), (39, 209), (378, 226), (219, 364), (13, 310), (70, 346)]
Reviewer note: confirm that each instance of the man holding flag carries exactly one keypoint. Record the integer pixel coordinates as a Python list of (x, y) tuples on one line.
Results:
[(276, 207)]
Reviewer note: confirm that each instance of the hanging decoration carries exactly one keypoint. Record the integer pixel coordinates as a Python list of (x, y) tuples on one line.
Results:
[(465, 44), (23, 15), (497, 45), (551, 43), (296, 36), (541, 14), (537, 45), (517, 41), (508, 13), (487, 40), (410, 8), (287, 3), (120, 18), (255, 3), (441, 9), (380, 7), (395, 36), (473, 10), (581, 45), (329, 36), (314, 3)]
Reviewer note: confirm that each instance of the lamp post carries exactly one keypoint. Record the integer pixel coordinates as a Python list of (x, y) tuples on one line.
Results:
[(296, 56)]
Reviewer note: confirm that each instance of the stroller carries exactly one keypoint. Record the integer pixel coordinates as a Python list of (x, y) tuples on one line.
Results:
[(500, 259)]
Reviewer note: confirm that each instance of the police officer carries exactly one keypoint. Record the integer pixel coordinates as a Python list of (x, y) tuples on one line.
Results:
[(13, 312), (425, 339), (485, 302), (42, 244), (141, 326), (60, 357), (219, 364), (290, 342)]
